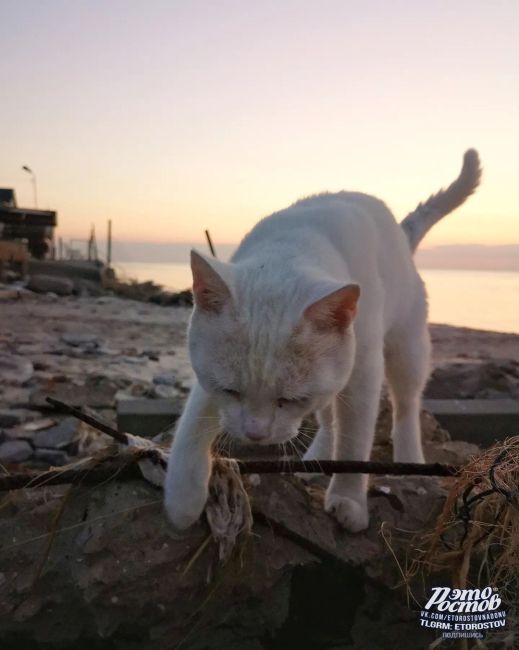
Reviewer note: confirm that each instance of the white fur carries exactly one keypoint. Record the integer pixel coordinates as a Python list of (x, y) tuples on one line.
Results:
[(276, 334)]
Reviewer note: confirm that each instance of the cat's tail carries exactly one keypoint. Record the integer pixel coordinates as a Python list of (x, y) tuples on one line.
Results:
[(421, 220)]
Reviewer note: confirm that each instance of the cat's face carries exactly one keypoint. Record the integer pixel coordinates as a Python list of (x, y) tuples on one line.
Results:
[(267, 369)]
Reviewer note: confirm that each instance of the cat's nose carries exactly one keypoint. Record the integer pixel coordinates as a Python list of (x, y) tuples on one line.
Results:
[(255, 435)]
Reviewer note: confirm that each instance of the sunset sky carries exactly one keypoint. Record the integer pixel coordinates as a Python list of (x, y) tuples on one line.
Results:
[(170, 117)]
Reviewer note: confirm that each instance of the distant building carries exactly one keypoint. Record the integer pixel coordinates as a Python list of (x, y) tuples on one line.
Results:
[(36, 227)]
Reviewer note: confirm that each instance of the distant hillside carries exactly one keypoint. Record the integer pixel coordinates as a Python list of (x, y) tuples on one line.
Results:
[(172, 252), (492, 258)]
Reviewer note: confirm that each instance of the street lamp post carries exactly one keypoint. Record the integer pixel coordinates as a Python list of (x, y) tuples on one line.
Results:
[(33, 176)]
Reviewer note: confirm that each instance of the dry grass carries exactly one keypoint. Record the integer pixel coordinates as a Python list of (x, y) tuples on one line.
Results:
[(476, 537)]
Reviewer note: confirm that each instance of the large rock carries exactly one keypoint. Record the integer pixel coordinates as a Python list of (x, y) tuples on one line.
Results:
[(116, 576), (475, 380), (50, 284)]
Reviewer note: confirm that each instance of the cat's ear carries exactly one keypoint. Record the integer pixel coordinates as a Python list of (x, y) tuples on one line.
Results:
[(335, 311), (210, 290)]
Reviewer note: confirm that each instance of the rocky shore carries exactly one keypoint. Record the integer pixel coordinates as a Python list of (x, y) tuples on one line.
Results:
[(96, 350), (103, 575)]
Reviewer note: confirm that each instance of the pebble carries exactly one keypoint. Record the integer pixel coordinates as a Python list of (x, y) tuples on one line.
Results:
[(166, 379), (53, 457), (15, 451), (10, 418), (83, 341), (58, 437), (38, 425), (164, 391), (15, 369)]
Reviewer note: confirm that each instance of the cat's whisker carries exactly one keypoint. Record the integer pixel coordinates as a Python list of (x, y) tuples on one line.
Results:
[(224, 443), (297, 451)]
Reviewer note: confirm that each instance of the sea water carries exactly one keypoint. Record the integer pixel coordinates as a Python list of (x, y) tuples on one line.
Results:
[(486, 300)]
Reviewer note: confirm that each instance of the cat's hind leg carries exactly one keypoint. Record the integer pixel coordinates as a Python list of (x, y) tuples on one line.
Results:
[(189, 467), (407, 356)]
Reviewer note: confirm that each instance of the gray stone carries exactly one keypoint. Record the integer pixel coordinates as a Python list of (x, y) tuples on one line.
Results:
[(83, 341), (53, 457), (38, 425), (166, 379), (50, 284), (15, 451), (62, 435), (475, 380), (14, 369), (163, 391), (10, 418), (96, 392)]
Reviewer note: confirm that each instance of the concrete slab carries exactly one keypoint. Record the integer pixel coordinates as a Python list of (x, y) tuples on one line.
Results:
[(147, 417), (480, 421)]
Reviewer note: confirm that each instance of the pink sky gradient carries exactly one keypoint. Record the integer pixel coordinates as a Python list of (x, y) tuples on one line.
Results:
[(171, 117)]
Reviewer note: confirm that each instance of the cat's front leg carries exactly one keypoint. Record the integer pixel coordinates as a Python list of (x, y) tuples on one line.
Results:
[(189, 466), (356, 413), (322, 444)]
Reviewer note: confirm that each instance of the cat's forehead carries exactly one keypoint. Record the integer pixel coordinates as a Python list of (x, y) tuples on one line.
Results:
[(262, 361)]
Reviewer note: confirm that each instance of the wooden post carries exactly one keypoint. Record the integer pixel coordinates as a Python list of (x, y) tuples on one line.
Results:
[(109, 244), (211, 247)]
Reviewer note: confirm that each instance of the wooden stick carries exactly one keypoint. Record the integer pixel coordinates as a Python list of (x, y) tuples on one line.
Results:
[(345, 467), (210, 243), (127, 470), (292, 466), (88, 419)]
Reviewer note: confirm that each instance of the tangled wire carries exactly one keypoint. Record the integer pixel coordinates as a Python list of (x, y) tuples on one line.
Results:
[(476, 537)]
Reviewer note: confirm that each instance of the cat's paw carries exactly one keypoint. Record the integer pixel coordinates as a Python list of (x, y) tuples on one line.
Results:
[(184, 507), (185, 492), (350, 514)]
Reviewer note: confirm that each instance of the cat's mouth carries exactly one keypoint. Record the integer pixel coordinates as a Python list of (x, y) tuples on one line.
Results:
[(267, 440)]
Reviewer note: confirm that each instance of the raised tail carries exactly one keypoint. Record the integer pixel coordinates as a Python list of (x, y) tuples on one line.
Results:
[(421, 220)]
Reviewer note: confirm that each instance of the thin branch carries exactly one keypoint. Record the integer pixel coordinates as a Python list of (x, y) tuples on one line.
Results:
[(345, 467), (210, 243), (126, 469), (88, 419)]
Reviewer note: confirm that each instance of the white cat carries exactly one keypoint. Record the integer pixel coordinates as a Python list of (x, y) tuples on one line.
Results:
[(316, 302)]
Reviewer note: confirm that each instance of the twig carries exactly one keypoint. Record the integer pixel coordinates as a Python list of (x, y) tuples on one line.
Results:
[(210, 243), (88, 419), (127, 470), (345, 467), (294, 466)]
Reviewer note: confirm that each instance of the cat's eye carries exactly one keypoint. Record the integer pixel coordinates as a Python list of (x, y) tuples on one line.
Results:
[(232, 393), (283, 401)]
